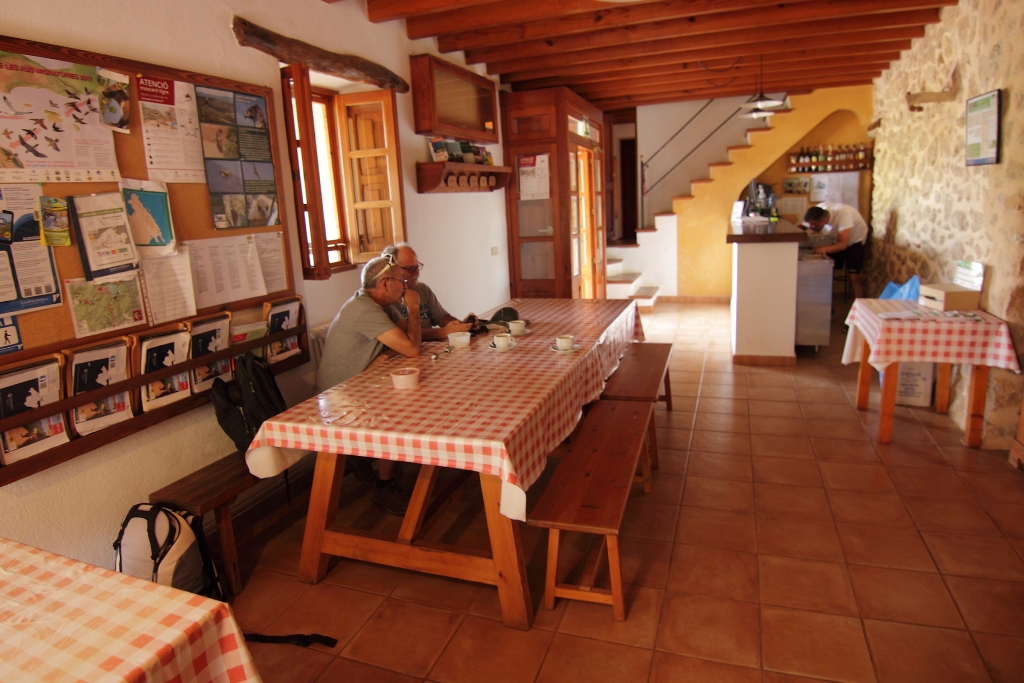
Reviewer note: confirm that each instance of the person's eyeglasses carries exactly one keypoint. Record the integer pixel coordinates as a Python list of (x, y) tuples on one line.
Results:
[(412, 269)]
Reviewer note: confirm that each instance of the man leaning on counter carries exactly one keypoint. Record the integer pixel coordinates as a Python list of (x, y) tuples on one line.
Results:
[(851, 233)]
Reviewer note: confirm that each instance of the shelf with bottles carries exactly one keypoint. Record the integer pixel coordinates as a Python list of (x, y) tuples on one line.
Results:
[(832, 159)]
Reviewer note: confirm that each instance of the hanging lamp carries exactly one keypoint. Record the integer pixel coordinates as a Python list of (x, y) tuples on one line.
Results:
[(761, 103)]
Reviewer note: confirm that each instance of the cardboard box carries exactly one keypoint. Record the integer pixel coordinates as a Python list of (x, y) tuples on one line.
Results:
[(914, 386), (943, 297)]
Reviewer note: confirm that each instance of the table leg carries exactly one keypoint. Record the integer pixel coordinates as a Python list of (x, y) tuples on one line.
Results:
[(887, 409), (976, 406), (507, 555), (417, 509), (945, 371), (864, 376), (323, 502)]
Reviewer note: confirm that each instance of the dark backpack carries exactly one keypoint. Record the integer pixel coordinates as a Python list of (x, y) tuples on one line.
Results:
[(254, 398)]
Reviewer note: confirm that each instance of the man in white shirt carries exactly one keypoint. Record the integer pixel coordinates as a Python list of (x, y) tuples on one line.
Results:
[(851, 231)]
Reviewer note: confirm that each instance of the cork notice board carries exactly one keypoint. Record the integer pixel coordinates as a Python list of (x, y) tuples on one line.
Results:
[(51, 330)]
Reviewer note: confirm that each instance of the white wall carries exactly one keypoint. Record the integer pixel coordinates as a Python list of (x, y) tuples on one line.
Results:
[(75, 508)]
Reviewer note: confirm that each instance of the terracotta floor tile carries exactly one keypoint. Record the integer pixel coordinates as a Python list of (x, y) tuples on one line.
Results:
[(774, 408), (680, 417), (437, 591), (815, 644), (666, 488), (686, 377), (720, 442), (980, 556), (828, 411), (423, 632), (844, 450), (781, 446), (643, 607), (669, 668), (710, 628), (720, 466), (716, 529), (724, 378), (282, 552), (952, 515), (673, 438), (685, 389), (965, 459), (907, 653), (279, 663), (731, 406), (767, 379), (364, 576), (903, 432), (719, 494), (1009, 518), (946, 435), (989, 606), (650, 520), (643, 562), (483, 649), (344, 670), (723, 390), (672, 461), (571, 659), (855, 477), (775, 677), (798, 501), (714, 572), (1004, 656), (813, 395), (896, 595), (1000, 488), (778, 426), (723, 422), (771, 394), (266, 595), (869, 508), (316, 611), (932, 483), (488, 605), (836, 429), (884, 546), (806, 584), (787, 471), (911, 455), (806, 537)]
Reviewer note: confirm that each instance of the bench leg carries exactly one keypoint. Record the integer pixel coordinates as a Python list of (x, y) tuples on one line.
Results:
[(615, 573), (645, 463), (551, 574), (652, 443), (668, 391), (323, 502), (228, 550)]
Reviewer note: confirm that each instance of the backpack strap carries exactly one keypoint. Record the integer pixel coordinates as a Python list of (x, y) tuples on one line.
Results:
[(300, 639)]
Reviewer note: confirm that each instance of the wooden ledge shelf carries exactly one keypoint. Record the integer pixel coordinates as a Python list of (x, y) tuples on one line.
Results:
[(450, 176)]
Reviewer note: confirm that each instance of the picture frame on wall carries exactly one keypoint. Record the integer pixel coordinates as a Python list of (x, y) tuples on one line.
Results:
[(983, 128)]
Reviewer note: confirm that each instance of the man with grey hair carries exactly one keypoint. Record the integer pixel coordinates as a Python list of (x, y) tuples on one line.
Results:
[(361, 336), (435, 322)]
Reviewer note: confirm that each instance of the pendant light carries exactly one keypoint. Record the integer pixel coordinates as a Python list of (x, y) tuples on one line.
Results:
[(760, 102)]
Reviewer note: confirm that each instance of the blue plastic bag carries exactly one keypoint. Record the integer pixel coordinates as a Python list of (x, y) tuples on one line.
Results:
[(908, 291)]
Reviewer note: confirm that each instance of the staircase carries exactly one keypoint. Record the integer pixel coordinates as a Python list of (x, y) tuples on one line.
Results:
[(646, 270)]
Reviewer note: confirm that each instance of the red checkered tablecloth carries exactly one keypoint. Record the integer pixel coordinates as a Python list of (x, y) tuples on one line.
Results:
[(496, 412), (926, 339), (64, 620)]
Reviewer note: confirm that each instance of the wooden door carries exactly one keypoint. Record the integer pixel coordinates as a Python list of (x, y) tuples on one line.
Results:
[(535, 254), (584, 240)]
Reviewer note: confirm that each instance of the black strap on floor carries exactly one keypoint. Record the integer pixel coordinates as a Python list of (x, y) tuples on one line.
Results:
[(300, 639)]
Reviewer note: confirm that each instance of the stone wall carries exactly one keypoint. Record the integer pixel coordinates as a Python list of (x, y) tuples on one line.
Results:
[(928, 208)]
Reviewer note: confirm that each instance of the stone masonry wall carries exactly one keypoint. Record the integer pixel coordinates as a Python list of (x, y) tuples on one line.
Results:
[(928, 208)]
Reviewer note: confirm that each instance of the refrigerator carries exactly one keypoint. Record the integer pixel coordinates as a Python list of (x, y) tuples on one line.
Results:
[(813, 300)]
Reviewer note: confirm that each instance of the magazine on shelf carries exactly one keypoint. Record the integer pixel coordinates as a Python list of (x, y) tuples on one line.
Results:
[(101, 229), (243, 333), (207, 337), (95, 368), (282, 315), (24, 389), (160, 352)]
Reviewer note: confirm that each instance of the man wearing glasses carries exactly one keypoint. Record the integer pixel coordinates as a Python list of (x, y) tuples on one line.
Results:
[(362, 335), (435, 322)]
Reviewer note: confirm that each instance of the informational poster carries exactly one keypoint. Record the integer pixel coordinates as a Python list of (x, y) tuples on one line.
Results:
[(161, 352), (50, 128), (283, 315), (115, 100), (983, 129), (534, 177), (94, 369), (22, 390), (170, 130), (167, 282), (28, 273), (270, 246), (208, 337), (104, 238), (239, 162), (843, 188), (149, 215), (105, 304), (10, 335), (225, 269)]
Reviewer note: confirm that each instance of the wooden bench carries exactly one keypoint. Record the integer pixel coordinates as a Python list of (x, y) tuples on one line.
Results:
[(641, 372), (588, 493)]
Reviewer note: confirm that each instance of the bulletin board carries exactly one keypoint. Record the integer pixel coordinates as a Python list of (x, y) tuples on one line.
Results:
[(50, 330)]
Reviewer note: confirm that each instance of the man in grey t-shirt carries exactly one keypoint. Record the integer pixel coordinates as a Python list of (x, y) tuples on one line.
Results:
[(435, 322), (363, 335)]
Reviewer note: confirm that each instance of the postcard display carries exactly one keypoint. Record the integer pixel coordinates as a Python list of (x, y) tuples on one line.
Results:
[(115, 177)]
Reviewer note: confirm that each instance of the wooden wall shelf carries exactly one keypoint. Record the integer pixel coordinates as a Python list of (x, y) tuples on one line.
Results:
[(450, 176)]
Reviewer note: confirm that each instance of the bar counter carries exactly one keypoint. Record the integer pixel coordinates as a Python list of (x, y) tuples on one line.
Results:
[(762, 233)]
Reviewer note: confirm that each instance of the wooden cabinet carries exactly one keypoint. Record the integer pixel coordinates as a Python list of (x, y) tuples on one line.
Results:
[(553, 143), (453, 102)]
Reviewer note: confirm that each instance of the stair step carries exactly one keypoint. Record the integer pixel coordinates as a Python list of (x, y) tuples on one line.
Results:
[(665, 213), (648, 228), (702, 181), (759, 130), (613, 261), (623, 278), (622, 244), (720, 164), (647, 292), (737, 147), (684, 196)]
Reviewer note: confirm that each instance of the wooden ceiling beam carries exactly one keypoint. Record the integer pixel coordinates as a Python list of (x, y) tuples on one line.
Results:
[(704, 94), (719, 29), (771, 62), (796, 36), (613, 16), (386, 10)]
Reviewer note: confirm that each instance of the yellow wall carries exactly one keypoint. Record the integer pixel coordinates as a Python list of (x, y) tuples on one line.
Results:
[(705, 260)]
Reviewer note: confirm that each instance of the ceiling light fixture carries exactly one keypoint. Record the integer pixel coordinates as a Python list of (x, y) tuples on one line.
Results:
[(761, 103)]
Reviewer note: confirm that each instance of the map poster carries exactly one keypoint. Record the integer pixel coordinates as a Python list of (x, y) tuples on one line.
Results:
[(149, 214), (28, 274), (170, 130), (50, 126), (239, 161), (106, 304)]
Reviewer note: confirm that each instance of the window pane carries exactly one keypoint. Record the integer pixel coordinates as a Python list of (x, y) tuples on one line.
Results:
[(535, 218), (370, 179), (374, 227), (537, 260), (325, 160), (302, 177), (365, 126)]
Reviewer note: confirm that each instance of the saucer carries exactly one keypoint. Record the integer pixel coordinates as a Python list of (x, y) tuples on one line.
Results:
[(521, 334), (492, 346), (575, 347)]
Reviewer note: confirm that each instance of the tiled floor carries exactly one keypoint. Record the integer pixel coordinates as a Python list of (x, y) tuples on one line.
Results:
[(781, 544)]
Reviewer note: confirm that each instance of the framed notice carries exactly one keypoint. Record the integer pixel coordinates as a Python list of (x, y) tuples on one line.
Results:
[(983, 129)]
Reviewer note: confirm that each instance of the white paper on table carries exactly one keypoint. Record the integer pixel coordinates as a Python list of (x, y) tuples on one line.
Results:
[(170, 130), (270, 247), (32, 263), (161, 352), (208, 337), (149, 215), (93, 369), (167, 282), (225, 269), (25, 389)]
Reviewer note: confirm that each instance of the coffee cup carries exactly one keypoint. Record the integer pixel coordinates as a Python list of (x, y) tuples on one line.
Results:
[(502, 341), (517, 326), (405, 378), (565, 342), (459, 340)]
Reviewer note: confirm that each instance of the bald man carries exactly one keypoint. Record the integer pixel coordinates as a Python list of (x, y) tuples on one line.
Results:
[(435, 322)]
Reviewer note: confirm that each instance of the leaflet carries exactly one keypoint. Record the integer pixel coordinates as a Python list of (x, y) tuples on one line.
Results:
[(28, 273), (94, 369), (22, 390), (167, 282), (225, 269), (104, 239), (208, 337), (270, 247), (283, 316), (170, 130), (161, 352)]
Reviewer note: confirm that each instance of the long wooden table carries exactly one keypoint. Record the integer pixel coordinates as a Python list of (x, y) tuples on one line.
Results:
[(495, 412)]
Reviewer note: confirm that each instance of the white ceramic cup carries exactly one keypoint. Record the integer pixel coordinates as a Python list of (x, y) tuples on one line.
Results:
[(405, 378), (565, 342), (503, 340), (459, 340), (517, 326)]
